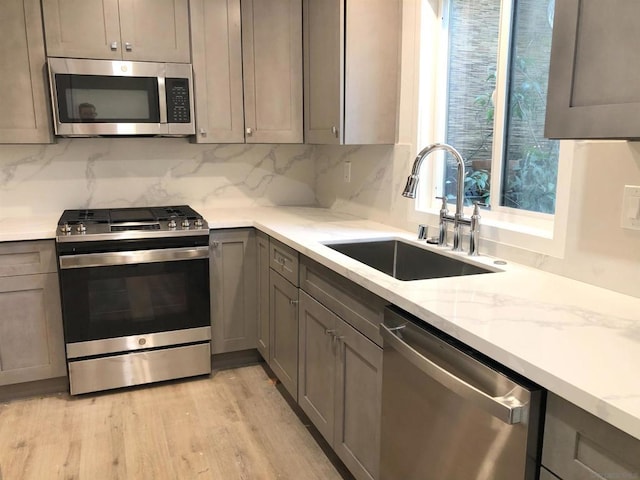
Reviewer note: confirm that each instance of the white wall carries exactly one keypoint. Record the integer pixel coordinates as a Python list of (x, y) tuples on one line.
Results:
[(106, 172), (597, 250)]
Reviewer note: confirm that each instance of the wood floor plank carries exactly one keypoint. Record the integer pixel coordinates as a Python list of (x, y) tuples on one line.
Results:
[(233, 425)]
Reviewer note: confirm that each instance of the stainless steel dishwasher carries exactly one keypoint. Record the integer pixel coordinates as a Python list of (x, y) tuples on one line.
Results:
[(450, 413)]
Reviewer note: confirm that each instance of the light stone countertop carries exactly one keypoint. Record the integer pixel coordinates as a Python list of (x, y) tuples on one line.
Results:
[(579, 341)]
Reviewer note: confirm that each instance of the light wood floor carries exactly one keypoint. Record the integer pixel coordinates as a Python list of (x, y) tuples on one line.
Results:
[(234, 425)]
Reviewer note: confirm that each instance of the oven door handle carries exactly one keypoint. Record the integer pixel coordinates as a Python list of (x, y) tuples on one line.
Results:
[(133, 257)]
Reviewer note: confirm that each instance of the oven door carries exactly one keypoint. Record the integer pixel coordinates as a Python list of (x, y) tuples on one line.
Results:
[(119, 301)]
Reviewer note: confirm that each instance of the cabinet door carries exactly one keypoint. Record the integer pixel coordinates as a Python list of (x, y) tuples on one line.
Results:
[(233, 285), (580, 446), (283, 305), (82, 28), (316, 364), (31, 340), (546, 474), (593, 88), (372, 71), (323, 59), (263, 294), (217, 70), (358, 402), (155, 30), (25, 112), (272, 68), (352, 70)]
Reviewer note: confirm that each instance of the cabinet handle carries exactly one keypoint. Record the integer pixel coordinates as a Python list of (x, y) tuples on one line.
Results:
[(202, 132), (334, 130), (338, 338), (330, 331), (114, 46), (249, 131), (293, 302), (128, 46)]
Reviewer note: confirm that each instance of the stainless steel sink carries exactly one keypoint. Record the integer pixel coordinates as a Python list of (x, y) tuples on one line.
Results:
[(405, 261)]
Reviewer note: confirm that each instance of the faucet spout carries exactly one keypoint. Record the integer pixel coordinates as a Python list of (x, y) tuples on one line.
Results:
[(412, 182)]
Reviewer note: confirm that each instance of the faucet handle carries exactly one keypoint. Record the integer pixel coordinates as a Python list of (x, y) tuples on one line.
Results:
[(443, 207)]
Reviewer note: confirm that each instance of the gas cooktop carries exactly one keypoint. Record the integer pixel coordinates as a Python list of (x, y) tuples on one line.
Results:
[(133, 222)]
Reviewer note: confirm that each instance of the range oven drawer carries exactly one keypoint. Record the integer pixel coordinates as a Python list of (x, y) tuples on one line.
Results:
[(139, 367)]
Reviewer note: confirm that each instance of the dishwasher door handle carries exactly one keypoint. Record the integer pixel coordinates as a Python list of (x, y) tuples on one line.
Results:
[(506, 408)]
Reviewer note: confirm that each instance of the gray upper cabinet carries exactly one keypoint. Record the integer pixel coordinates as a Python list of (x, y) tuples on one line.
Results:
[(25, 111), (352, 70), (247, 62), (217, 70), (593, 76), (31, 338), (135, 30), (232, 272), (272, 69)]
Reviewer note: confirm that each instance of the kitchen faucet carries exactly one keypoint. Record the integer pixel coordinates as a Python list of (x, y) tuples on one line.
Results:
[(458, 218)]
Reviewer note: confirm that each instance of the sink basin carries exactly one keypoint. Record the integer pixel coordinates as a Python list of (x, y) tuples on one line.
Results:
[(405, 261)]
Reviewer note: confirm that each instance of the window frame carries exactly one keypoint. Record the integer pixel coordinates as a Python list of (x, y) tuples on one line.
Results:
[(535, 231)]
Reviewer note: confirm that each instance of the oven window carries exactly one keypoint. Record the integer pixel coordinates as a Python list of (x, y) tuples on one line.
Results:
[(117, 301), (107, 99)]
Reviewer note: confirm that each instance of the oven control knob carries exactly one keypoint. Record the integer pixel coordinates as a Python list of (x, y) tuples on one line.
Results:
[(185, 223), (142, 341), (65, 228), (81, 228), (198, 223), (171, 224)]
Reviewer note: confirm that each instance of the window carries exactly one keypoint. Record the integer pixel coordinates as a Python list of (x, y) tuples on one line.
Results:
[(490, 100)]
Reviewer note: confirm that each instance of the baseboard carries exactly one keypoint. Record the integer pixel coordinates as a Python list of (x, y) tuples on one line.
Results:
[(223, 361), (34, 389)]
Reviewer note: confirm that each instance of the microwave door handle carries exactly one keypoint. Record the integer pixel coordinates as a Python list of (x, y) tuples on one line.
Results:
[(162, 97)]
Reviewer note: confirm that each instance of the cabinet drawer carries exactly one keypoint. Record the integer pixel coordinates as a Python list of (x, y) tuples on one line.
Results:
[(284, 260), (360, 308), (27, 258), (580, 446)]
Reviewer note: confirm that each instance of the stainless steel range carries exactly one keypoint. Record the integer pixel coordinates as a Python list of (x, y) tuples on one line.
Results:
[(135, 295)]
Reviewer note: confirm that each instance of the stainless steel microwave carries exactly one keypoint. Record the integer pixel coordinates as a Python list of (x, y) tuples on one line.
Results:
[(105, 97)]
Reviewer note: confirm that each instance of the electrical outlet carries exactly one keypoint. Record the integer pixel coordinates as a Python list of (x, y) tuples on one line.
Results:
[(631, 207), (347, 172)]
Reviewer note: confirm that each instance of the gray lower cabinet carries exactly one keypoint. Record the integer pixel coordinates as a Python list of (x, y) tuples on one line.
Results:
[(25, 110), (31, 334), (593, 89), (580, 446), (262, 278), (340, 381), (283, 308), (232, 262), (547, 475)]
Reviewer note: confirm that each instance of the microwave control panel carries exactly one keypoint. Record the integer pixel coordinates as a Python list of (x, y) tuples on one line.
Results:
[(178, 100)]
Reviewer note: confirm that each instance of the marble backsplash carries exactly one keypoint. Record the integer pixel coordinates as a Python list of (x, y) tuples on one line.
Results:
[(108, 172)]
